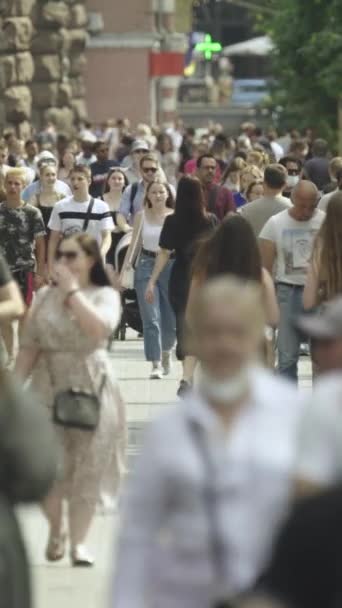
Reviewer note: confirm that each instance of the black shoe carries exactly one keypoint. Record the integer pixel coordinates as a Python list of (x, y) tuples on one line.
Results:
[(184, 388)]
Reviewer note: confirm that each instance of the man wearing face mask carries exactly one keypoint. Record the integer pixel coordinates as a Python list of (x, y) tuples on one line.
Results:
[(294, 168), (213, 481)]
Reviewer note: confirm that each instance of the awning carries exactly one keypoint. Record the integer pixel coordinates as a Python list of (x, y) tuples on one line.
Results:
[(261, 46)]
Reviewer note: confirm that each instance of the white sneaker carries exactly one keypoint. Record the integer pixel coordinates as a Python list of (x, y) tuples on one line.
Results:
[(157, 372), (166, 362)]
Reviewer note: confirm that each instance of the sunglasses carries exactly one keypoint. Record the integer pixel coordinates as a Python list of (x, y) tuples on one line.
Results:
[(150, 170), (68, 255), (140, 151), (293, 172)]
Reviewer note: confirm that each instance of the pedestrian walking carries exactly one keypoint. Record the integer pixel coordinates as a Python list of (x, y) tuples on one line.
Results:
[(180, 234), (80, 213), (158, 318), (22, 244), (64, 351), (214, 479), (286, 243), (272, 201), (115, 185), (218, 199), (233, 249), (47, 196), (324, 277)]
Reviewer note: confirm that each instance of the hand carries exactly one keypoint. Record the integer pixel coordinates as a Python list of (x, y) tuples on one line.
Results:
[(64, 279), (38, 281), (149, 293)]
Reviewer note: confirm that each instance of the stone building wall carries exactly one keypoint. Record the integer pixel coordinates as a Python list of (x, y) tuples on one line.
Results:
[(42, 60)]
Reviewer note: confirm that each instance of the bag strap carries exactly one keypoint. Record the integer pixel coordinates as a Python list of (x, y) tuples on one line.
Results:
[(210, 498), (88, 214), (133, 193)]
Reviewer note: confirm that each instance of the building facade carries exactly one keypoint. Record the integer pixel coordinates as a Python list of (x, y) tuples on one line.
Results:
[(134, 60)]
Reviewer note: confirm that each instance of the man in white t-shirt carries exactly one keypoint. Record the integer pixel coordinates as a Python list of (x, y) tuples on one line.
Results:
[(70, 215), (286, 244)]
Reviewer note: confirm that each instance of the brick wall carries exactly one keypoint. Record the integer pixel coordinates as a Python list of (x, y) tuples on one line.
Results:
[(118, 84)]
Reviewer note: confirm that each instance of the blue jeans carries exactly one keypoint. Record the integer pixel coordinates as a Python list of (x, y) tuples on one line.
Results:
[(159, 323), (289, 339)]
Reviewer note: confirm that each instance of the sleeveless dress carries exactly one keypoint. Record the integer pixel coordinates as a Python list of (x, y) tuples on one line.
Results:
[(69, 358)]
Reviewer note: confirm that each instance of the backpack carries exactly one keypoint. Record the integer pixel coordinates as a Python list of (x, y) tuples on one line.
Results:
[(134, 190)]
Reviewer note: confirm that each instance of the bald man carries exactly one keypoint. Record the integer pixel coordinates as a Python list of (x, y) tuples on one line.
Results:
[(286, 245)]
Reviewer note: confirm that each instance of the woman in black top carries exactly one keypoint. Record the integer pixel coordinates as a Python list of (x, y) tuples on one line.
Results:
[(115, 184), (180, 234)]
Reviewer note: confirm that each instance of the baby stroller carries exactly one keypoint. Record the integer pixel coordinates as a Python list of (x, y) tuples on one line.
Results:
[(130, 309)]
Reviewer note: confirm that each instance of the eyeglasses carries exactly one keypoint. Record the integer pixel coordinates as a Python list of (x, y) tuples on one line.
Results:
[(150, 169), (68, 255)]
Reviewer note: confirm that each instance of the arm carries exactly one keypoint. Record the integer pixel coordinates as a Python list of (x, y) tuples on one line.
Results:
[(124, 211), (40, 255), (106, 242), (268, 254), (160, 263), (129, 252), (11, 303), (270, 299), (55, 237)]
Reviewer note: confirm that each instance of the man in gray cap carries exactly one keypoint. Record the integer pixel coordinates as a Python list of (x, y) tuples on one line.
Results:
[(138, 149), (325, 331)]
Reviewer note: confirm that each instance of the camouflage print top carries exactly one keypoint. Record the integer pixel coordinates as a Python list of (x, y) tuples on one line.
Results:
[(19, 228)]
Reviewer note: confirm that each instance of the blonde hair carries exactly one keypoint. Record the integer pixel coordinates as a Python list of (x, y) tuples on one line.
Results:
[(18, 173), (328, 250)]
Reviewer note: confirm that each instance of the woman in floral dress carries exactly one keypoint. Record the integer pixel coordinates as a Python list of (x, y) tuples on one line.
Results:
[(64, 347)]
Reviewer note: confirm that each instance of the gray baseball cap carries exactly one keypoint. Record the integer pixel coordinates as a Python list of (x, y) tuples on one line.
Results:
[(324, 325)]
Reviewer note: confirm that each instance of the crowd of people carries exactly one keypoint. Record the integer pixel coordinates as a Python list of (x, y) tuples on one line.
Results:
[(230, 249)]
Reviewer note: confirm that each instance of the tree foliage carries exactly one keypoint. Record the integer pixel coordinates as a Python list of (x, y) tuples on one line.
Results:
[(307, 61)]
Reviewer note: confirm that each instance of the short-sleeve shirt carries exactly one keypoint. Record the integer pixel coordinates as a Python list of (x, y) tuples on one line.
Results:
[(319, 459), (68, 217), (184, 248), (294, 242), (19, 228), (5, 275)]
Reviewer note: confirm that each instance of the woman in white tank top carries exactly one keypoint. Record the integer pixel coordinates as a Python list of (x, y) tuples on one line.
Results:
[(159, 324)]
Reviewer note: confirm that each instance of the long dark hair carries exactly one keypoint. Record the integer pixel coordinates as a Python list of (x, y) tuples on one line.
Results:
[(110, 173), (98, 275), (231, 249), (328, 248), (190, 213)]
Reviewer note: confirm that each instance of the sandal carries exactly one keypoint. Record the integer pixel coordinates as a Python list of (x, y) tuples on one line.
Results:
[(55, 549)]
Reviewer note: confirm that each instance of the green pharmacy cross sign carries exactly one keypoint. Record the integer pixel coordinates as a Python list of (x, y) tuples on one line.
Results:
[(208, 47)]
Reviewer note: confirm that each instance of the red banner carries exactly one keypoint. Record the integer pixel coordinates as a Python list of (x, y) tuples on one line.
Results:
[(166, 64)]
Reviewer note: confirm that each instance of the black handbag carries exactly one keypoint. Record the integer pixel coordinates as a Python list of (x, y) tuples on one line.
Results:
[(75, 408)]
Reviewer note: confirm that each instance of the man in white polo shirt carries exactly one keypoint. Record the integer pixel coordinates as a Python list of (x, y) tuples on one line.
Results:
[(80, 213), (286, 243)]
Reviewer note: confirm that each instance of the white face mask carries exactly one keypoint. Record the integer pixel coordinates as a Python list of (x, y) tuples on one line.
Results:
[(292, 180), (226, 392)]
